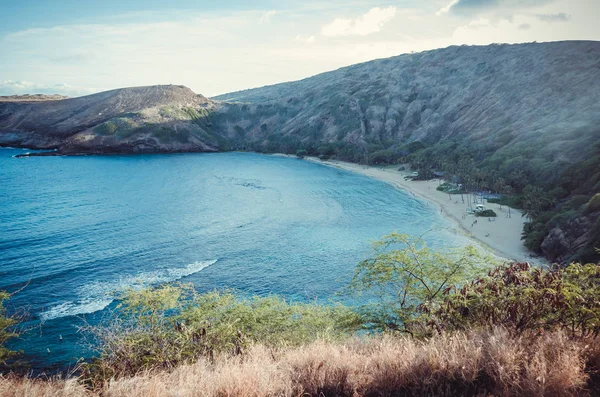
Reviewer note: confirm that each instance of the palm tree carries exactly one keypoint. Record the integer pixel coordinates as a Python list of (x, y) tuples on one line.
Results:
[(508, 190)]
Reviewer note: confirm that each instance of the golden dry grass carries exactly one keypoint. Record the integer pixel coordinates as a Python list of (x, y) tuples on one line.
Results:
[(473, 364)]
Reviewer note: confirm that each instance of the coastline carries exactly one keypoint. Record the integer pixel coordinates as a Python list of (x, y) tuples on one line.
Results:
[(502, 236)]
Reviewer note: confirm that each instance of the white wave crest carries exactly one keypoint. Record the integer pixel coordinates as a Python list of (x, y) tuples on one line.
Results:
[(97, 296)]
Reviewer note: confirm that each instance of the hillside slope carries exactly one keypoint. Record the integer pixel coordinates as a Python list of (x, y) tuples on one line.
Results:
[(542, 100), (139, 119)]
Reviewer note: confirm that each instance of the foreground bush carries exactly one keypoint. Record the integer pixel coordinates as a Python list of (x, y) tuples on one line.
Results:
[(406, 277), (6, 329), (168, 326), (521, 298), (486, 363)]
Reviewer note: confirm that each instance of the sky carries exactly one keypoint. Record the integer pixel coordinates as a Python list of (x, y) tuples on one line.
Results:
[(79, 47)]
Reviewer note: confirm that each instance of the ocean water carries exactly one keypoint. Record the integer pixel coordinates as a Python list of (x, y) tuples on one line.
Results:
[(74, 231)]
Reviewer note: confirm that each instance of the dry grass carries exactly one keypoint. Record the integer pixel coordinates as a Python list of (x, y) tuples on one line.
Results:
[(474, 364), (17, 387)]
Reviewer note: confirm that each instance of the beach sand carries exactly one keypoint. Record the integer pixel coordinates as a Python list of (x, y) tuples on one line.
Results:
[(502, 235)]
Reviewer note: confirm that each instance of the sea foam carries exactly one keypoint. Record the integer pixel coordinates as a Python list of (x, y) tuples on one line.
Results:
[(97, 296)]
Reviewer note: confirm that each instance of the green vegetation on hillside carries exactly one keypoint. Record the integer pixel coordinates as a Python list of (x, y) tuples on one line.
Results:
[(563, 201)]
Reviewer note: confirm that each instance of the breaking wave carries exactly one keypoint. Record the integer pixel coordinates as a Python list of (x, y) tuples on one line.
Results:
[(97, 296)]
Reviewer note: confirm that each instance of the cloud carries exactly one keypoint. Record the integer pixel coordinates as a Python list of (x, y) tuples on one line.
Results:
[(560, 17), (446, 9), (305, 39), (266, 17), (467, 7), (459, 6), (10, 87), (524, 26), (369, 23)]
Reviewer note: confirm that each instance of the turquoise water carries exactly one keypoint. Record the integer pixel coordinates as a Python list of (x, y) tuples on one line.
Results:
[(75, 230)]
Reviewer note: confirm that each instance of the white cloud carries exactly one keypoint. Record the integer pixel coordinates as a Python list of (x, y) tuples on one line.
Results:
[(305, 39), (560, 17), (446, 9), (266, 17), (503, 8), (369, 23), (10, 87)]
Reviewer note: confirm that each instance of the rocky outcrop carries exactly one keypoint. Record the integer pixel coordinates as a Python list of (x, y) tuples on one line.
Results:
[(563, 242), (556, 245)]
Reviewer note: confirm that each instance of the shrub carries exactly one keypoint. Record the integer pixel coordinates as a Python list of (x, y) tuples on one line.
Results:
[(406, 278), (594, 204), (521, 298), (300, 153), (6, 326), (576, 202), (450, 188), (106, 128), (168, 135), (164, 327), (486, 213)]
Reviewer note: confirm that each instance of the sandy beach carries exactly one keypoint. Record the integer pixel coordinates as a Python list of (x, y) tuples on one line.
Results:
[(502, 235)]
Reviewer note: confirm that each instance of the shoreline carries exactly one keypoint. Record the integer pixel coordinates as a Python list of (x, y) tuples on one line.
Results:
[(502, 236)]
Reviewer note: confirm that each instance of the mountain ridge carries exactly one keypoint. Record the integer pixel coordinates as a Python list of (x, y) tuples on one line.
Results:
[(407, 110)]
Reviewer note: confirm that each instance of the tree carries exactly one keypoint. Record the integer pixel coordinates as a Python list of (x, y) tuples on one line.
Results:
[(163, 327), (300, 153), (521, 298), (500, 187), (406, 278), (508, 190), (6, 324), (535, 201)]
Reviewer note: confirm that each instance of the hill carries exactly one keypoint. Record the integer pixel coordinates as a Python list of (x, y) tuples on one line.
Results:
[(539, 103), (541, 100), (126, 120)]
